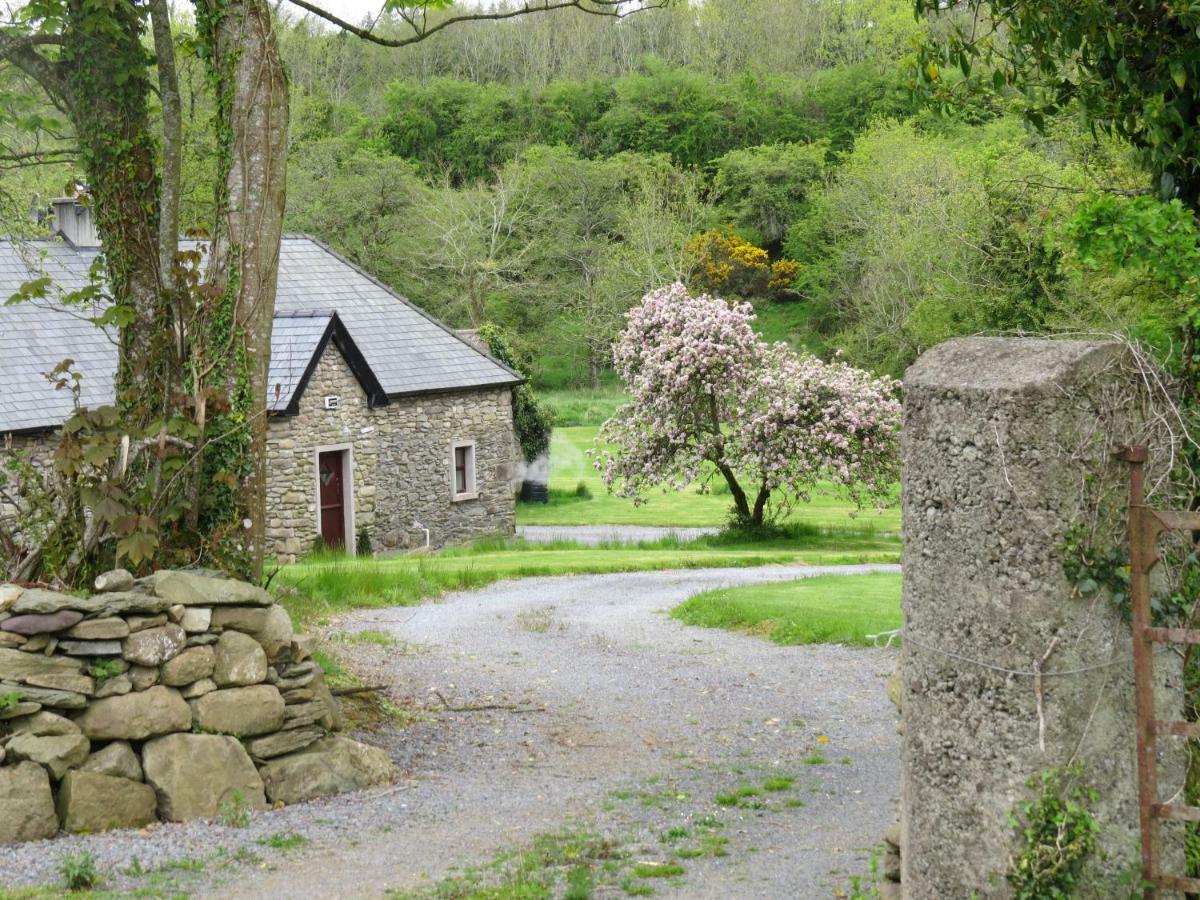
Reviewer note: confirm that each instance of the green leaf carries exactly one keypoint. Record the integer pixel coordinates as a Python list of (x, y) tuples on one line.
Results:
[(1178, 73)]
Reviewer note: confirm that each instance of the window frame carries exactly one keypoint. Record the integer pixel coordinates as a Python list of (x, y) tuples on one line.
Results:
[(472, 491)]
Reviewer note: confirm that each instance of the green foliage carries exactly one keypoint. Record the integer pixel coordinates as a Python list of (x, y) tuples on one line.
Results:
[(9, 700), (1158, 241), (79, 871), (1057, 835), (362, 542), (532, 420), (763, 189), (1130, 71), (924, 235), (235, 812), (103, 669)]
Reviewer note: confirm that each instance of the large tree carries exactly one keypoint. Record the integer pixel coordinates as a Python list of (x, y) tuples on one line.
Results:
[(1131, 70), (711, 400), (193, 347)]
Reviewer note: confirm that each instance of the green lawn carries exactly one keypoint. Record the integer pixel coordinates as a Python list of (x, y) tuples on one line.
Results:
[(830, 609), (329, 585), (570, 466)]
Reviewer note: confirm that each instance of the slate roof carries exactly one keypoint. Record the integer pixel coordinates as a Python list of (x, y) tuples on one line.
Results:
[(404, 349)]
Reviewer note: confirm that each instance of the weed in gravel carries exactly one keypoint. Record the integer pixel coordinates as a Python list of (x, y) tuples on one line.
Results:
[(709, 822), (658, 870), (675, 833), (235, 812), (284, 840), (727, 799), (184, 864), (134, 869), (572, 864), (636, 888), (709, 845), (845, 760), (779, 783), (538, 621), (814, 759), (79, 871), (793, 803), (401, 716)]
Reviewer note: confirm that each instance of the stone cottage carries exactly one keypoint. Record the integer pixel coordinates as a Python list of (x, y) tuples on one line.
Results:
[(384, 423)]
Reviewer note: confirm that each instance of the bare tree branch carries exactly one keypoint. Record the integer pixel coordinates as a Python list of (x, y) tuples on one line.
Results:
[(422, 30)]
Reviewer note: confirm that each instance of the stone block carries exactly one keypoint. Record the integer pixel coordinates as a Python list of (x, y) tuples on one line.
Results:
[(194, 774), (135, 717), (271, 626), (90, 802), (191, 665), (28, 804), (332, 765), (112, 628), (154, 646), (115, 580), (239, 660), (56, 753), (190, 589), (240, 711), (116, 759), (41, 623)]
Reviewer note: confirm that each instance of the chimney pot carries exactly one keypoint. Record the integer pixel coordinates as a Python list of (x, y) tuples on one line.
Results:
[(73, 220)]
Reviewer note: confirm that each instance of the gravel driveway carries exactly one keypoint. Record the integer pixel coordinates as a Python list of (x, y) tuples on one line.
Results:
[(638, 723)]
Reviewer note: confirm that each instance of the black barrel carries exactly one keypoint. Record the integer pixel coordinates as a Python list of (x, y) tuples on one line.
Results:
[(535, 492)]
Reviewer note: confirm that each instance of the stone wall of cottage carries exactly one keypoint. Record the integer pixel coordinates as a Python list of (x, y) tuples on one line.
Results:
[(38, 450), (399, 468)]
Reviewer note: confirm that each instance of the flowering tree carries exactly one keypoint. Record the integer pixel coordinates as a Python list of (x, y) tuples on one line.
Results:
[(711, 397)]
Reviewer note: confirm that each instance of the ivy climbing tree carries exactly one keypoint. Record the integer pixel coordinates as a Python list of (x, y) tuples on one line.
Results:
[(194, 326)]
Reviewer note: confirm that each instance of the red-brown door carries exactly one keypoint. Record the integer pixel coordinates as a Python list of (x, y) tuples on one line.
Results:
[(333, 502)]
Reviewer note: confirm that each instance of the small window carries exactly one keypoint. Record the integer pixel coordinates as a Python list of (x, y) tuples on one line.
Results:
[(462, 474)]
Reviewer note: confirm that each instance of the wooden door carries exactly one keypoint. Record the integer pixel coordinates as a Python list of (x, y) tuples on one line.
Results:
[(331, 474)]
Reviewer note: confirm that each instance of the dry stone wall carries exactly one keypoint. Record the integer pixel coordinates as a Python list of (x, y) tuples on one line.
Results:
[(1002, 441), (163, 698)]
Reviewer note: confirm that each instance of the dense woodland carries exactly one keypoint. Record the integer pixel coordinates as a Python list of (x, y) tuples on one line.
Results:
[(542, 173)]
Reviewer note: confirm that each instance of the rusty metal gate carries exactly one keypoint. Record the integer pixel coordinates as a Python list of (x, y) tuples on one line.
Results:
[(1145, 527)]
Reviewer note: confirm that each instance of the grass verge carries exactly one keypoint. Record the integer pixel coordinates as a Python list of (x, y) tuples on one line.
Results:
[(579, 497), (327, 585), (829, 609)]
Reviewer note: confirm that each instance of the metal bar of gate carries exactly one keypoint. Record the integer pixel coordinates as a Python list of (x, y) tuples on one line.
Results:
[(1143, 668), (1145, 526)]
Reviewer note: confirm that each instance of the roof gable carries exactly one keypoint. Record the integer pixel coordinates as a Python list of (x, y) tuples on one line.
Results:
[(298, 342)]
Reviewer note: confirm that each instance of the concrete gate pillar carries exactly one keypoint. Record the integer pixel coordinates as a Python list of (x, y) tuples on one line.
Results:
[(1003, 440)]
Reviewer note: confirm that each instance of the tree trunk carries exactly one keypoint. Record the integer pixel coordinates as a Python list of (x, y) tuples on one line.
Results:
[(740, 501), (105, 86), (252, 124), (760, 506)]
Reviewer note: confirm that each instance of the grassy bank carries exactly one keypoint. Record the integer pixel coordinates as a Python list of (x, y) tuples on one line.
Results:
[(578, 497), (833, 609), (332, 584)]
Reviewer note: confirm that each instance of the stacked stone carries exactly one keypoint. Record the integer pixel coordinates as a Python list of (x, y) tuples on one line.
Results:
[(161, 698)]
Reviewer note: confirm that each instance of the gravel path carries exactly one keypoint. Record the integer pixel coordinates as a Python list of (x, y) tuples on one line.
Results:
[(593, 535), (645, 722)]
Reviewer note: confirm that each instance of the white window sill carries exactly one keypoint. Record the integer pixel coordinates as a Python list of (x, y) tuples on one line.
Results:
[(459, 498)]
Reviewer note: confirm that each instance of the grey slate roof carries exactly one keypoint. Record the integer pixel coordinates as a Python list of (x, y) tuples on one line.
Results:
[(408, 351), (294, 342)]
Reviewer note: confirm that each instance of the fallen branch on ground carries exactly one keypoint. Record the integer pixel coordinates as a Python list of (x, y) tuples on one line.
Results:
[(346, 691), (510, 707)]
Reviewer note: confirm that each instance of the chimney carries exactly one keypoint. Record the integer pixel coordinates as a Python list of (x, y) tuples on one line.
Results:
[(73, 220)]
